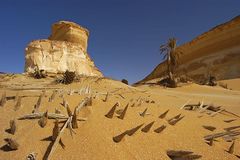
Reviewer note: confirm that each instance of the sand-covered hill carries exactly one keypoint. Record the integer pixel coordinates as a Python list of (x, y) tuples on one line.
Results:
[(215, 52), (93, 139)]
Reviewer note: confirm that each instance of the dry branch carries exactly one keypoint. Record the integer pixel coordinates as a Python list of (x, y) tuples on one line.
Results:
[(106, 98), (43, 120), (221, 134), (134, 130), (53, 96), (39, 115), (215, 113), (12, 143), (231, 148), (122, 115), (13, 126), (231, 128), (83, 103), (38, 104), (121, 96), (174, 121), (18, 104), (143, 113), (147, 127), (56, 142), (210, 128), (111, 111), (175, 117), (183, 155), (56, 130), (3, 99), (230, 120), (164, 114), (160, 129), (185, 104), (74, 119), (119, 137)]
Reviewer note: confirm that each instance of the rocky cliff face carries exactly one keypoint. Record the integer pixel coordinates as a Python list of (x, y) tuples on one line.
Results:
[(66, 49), (216, 52)]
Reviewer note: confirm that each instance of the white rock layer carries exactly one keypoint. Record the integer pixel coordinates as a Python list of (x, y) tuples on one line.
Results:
[(65, 51)]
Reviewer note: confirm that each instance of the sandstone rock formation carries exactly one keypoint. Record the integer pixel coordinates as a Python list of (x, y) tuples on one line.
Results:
[(66, 49), (216, 53)]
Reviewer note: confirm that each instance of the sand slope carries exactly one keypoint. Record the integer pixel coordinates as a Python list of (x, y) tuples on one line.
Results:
[(93, 139)]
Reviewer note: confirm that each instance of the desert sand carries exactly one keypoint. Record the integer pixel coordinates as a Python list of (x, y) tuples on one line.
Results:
[(93, 139)]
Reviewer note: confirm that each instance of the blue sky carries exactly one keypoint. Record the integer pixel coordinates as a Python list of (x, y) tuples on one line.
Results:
[(125, 35)]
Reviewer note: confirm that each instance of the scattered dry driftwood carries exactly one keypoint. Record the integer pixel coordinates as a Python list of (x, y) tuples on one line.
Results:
[(74, 119), (231, 128), (210, 128), (214, 110), (3, 99), (85, 90), (111, 111), (228, 112), (230, 120), (106, 98), (221, 134), (129, 132), (70, 128), (229, 138), (192, 107), (183, 155), (203, 109), (134, 130), (51, 99), (38, 104), (122, 115), (147, 127), (69, 112), (144, 113), (84, 103), (215, 113), (13, 126), (40, 114), (43, 120), (121, 96), (160, 129), (12, 143), (65, 103), (175, 117), (164, 114), (119, 137), (210, 142), (50, 116), (182, 107), (174, 121), (119, 111), (56, 142), (231, 148), (56, 130), (18, 105)]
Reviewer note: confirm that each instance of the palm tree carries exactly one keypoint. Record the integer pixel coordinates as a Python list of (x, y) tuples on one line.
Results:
[(172, 56)]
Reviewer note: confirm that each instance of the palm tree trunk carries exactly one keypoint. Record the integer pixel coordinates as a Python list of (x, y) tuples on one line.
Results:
[(170, 75)]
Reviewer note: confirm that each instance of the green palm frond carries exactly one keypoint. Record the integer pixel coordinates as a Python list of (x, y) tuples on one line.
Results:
[(169, 50)]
